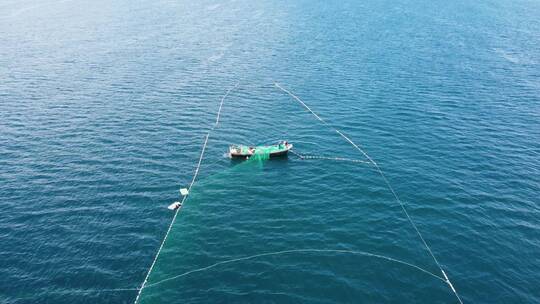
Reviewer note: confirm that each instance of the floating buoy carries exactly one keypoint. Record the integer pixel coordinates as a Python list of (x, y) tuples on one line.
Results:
[(175, 206), (184, 191)]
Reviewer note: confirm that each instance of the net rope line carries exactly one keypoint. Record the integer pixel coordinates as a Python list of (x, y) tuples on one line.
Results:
[(447, 280), (144, 285), (304, 157), (139, 292), (172, 222), (251, 257), (374, 255), (221, 105)]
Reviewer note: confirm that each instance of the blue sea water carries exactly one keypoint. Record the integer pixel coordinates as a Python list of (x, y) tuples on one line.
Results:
[(104, 106)]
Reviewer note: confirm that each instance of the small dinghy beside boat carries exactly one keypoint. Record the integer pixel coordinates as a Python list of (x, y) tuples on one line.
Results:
[(241, 151)]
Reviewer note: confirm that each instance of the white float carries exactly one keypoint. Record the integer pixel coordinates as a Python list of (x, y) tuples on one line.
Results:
[(175, 206)]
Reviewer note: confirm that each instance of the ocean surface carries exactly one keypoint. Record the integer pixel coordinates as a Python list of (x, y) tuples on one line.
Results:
[(104, 108)]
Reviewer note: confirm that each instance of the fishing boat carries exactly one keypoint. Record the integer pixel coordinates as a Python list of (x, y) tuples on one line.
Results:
[(241, 151)]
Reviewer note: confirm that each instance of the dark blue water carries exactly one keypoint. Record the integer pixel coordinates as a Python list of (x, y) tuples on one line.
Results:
[(104, 107)]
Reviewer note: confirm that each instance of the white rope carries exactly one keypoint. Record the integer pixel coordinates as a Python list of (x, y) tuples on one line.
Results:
[(329, 158), (336, 158), (297, 154), (221, 104), (172, 221), (324, 122), (387, 183), (296, 251), (184, 198)]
